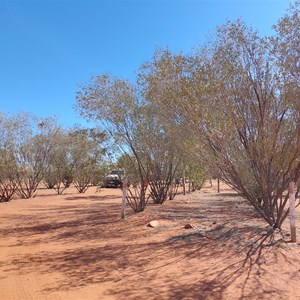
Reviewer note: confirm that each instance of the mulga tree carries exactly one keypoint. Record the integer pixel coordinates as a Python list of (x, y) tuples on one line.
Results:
[(136, 195), (129, 120), (33, 143), (251, 127), (195, 169), (57, 162), (8, 183), (66, 154), (8, 167), (164, 82), (162, 157), (86, 154), (113, 103)]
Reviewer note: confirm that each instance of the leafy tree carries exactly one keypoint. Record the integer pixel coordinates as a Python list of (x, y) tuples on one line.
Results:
[(24, 146), (253, 128), (130, 121), (163, 161), (86, 153), (8, 183), (57, 164), (32, 146), (232, 96), (166, 83), (75, 157)]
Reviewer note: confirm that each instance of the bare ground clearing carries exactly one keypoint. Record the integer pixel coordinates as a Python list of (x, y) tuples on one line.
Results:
[(75, 246)]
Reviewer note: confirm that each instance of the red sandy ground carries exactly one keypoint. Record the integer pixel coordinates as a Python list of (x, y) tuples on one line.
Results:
[(75, 246)]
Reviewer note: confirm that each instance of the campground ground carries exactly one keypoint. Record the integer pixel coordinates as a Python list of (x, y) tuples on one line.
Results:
[(75, 246)]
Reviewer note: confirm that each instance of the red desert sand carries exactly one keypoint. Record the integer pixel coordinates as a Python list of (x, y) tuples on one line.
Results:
[(204, 245)]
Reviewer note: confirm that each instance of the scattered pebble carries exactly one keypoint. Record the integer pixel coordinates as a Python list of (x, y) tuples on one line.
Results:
[(153, 224), (188, 226)]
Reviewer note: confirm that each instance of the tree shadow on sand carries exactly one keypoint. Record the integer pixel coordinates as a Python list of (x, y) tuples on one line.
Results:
[(223, 259), (134, 269)]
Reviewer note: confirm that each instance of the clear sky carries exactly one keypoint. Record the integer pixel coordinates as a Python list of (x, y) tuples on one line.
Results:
[(48, 48)]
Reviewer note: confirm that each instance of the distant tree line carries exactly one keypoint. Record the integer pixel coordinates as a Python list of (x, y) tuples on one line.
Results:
[(37, 151)]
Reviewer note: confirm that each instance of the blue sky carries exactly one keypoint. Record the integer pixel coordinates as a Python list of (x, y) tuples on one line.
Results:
[(48, 48)]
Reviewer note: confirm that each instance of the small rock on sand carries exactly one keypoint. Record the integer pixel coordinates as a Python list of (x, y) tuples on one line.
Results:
[(153, 224), (188, 226)]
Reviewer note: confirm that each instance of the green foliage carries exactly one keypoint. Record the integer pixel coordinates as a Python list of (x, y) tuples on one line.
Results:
[(197, 175), (128, 164)]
